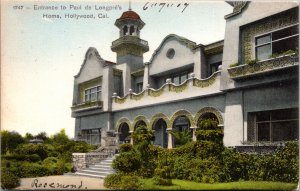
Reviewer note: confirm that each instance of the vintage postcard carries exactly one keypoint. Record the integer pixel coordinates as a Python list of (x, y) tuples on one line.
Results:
[(128, 94)]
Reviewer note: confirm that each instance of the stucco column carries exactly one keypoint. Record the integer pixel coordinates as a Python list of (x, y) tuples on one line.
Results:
[(194, 129), (117, 137), (131, 139), (146, 76), (170, 139)]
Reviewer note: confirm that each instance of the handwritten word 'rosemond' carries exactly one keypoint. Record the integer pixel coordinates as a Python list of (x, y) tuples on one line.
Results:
[(55, 185), (162, 5)]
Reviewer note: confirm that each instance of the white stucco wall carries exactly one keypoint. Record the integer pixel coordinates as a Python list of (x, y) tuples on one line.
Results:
[(92, 68), (126, 76), (161, 63), (233, 124), (252, 12)]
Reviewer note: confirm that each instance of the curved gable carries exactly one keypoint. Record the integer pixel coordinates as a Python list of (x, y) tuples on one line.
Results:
[(91, 67), (163, 60)]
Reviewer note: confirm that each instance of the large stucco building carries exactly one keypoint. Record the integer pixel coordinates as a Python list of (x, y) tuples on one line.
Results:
[(248, 81)]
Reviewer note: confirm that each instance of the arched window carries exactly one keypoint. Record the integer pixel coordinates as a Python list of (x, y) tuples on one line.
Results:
[(208, 121), (160, 133), (124, 133), (140, 123), (131, 30), (125, 30), (182, 133), (208, 116)]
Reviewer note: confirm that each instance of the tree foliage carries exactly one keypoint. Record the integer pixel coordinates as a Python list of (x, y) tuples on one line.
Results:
[(60, 138), (10, 141), (182, 137)]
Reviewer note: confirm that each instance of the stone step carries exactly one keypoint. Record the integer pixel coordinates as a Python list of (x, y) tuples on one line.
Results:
[(104, 163), (101, 165), (108, 160), (101, 168), (89, 175), (90, 171)]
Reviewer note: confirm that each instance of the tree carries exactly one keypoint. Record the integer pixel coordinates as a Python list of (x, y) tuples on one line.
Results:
[(28, 136), (42, 135), (182, 137), (142, 138), (10, 141), (61, 137)]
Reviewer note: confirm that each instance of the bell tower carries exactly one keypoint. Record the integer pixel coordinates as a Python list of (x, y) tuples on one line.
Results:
[(129, 47)]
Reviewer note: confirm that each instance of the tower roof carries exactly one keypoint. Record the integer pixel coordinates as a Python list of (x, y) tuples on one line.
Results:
[(130, 15)]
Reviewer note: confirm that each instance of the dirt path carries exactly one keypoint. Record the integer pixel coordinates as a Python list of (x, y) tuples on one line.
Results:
[(61, 182)]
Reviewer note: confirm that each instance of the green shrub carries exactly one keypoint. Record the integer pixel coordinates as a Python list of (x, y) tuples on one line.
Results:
[(53, 154), (162, 181), (210, 135), (165, 166), (57, 166), (206, 149), (283, 165), (9, 180), (238, 166), (5, 163), (22, 157), (127, 162), (208, 124), (142, 135), (122, 181), (33, 158), (29, 149), (50, 161), (16, 157), (10, 141), (199, 170), (130, 182), (28, 170), (280, 166), (113, 180), (181, 137), (80, 147), (126, 147)]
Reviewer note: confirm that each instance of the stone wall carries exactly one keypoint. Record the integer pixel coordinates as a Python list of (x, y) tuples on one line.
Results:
[(83, 160)]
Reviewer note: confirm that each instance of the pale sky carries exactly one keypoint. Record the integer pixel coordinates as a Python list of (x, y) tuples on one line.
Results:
[(40, 56)]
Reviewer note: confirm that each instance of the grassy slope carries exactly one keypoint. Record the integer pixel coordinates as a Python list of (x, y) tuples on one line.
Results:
[(241, 185)]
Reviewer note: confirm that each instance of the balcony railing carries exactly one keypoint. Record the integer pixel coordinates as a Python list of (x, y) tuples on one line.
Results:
[(130, 39), (168, 87), (87, 106), (262, 67)]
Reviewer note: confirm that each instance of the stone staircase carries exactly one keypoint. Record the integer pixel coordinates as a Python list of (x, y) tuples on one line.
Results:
[(98, 170)]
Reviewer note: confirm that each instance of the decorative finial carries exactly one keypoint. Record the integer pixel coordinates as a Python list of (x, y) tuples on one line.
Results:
[(129, 5)]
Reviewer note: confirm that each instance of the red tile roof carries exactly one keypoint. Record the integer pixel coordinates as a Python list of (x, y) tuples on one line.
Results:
[(130, 15)]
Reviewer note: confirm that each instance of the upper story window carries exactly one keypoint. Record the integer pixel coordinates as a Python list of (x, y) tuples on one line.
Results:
[(277, 125), (118, 85), (92, 94), (139, 87), (214, 67), (178, 78), (277, 42)]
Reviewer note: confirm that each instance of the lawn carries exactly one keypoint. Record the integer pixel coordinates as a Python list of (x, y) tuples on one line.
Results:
[(241, 185)]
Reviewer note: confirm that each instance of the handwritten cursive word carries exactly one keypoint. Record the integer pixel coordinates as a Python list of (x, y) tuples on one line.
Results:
[(162, 5), (56, 185)]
